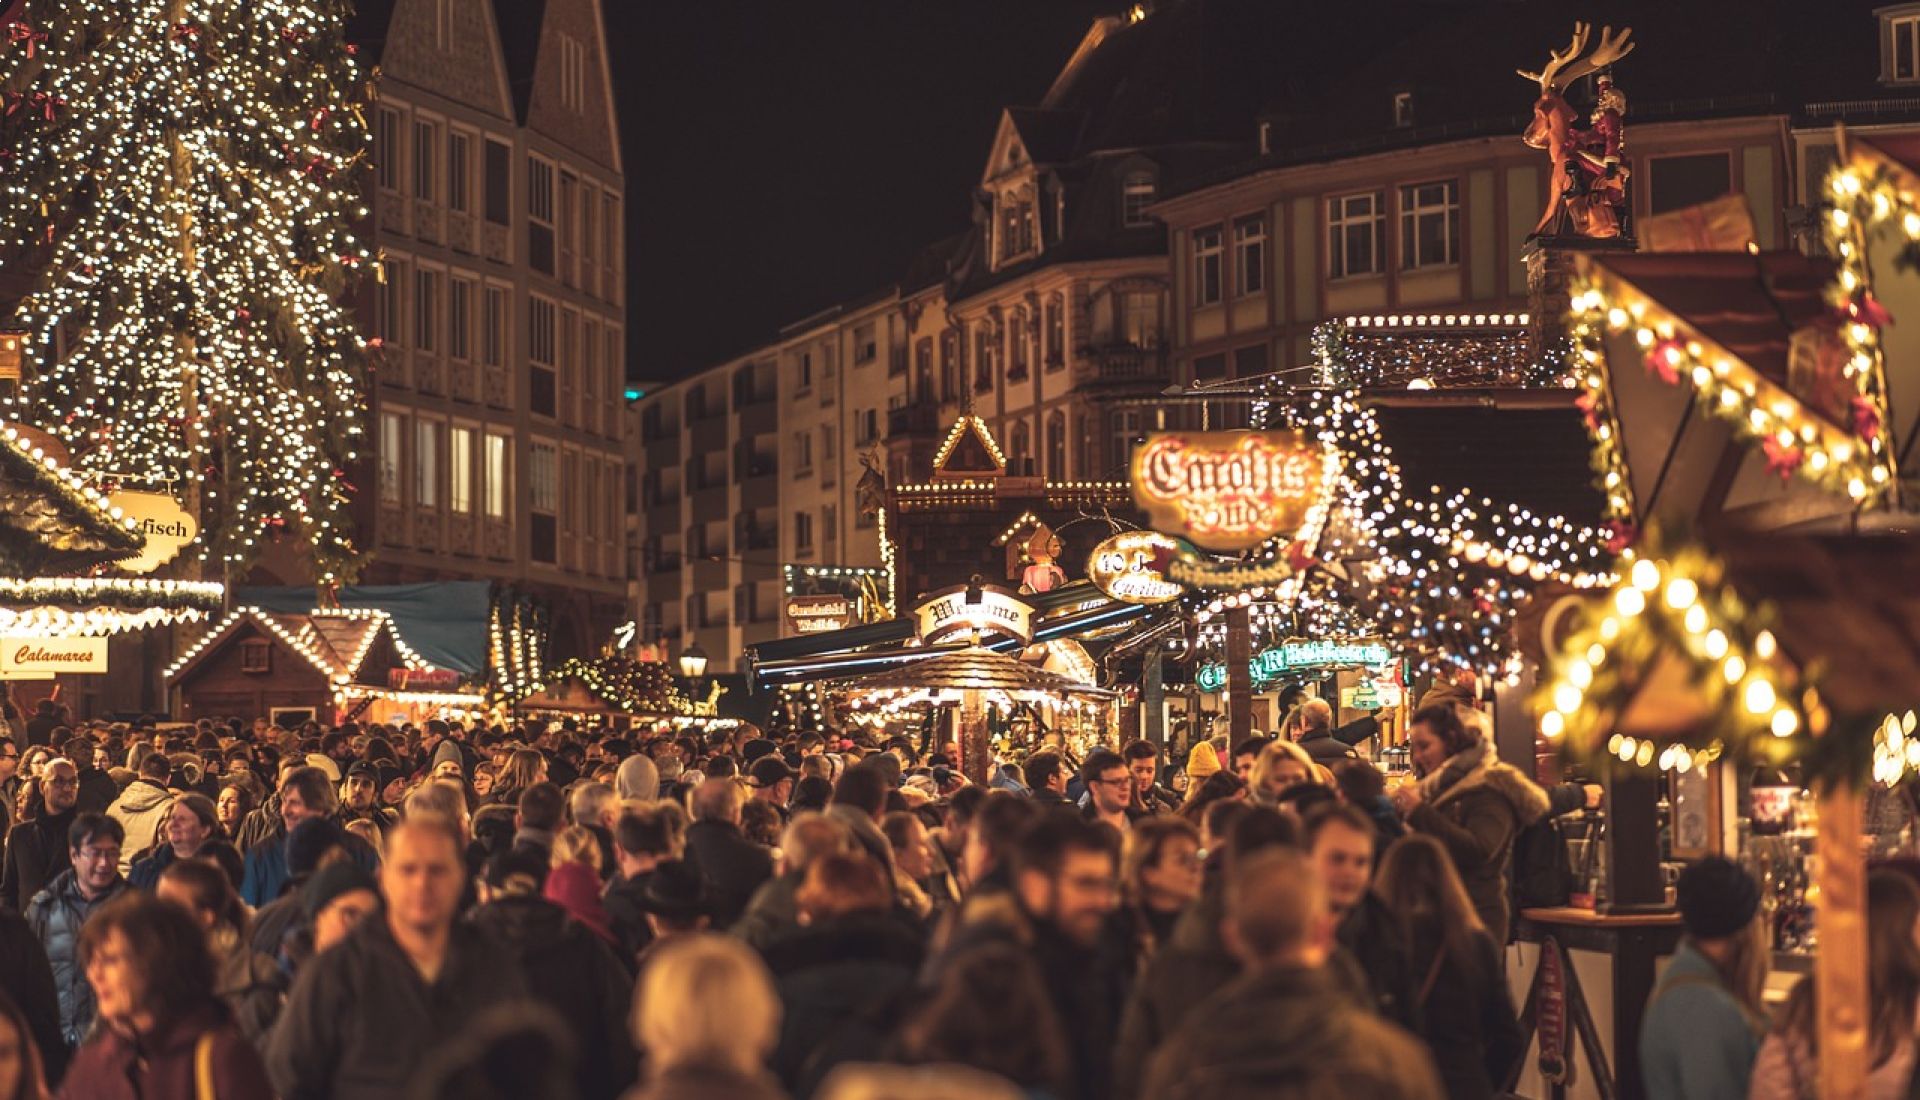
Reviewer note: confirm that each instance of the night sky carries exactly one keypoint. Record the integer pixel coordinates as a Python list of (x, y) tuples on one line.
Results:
[(784, 156)]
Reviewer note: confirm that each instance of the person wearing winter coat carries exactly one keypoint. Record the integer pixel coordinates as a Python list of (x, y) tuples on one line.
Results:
[(569, 968), (192, 823), (58, 913), (1702, 1028), (841, 972), (27, 977), (250, 983), (37, 847), (142, 808), (1471, 802), (306, 793), (731, 866), (163, 1031)]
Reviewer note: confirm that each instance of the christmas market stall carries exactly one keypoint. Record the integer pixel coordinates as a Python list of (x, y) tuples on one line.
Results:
[(627, 692)]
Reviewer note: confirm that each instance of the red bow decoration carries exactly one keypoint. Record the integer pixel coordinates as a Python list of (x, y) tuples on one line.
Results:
[(188, 33), (1664, 359), (24, 33), (319, 118), (1620, 535), (1782, 458), (1589, 410), (1866, 417), (1867, 310), (1298, 557)]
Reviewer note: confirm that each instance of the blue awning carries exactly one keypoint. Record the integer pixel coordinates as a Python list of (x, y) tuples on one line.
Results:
[(444, 621)]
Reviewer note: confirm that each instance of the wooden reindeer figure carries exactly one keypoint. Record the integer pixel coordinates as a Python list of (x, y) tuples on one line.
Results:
[(1588, 188)]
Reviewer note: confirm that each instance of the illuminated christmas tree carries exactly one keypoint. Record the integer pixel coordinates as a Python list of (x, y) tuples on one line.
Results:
[(181, 177)]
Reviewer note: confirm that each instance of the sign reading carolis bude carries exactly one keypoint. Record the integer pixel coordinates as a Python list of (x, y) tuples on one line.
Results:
[(1123, 568), (1230, 490), (167, 526), (819, 614), (41, 658), (949, 615)]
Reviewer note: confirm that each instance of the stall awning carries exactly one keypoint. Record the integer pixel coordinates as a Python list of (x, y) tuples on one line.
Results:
[(974, 668), (445, 622)]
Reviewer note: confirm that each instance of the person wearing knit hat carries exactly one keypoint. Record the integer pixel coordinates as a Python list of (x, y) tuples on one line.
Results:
[(1201, 762), (1703, 1027), (448, 762), (336, 899)]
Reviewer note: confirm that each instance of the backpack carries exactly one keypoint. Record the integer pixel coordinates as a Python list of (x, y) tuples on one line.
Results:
[(1542, 871)]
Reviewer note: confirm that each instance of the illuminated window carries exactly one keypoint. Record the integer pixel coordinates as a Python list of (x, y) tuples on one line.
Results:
[(499, 487), (1249, 256), (426, 464), (1136, 194), (460, 470)]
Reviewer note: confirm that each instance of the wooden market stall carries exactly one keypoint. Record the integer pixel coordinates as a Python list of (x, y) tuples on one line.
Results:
[(327, 666)]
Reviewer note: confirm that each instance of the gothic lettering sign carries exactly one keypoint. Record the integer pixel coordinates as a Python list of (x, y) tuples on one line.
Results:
[(1231, 490), (41, 658), (1123, 568), (819, 614), (1269, 665), (166, 526), (951, 616)]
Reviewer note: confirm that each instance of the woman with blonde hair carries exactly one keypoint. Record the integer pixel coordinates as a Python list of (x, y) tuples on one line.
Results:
[(706, 1016), (577, 844), (1282, 764), (1463, 1001)]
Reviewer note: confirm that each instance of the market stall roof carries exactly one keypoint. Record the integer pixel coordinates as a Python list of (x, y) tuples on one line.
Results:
[(55, 522), (975, 668), (444, 621), (335, 641)]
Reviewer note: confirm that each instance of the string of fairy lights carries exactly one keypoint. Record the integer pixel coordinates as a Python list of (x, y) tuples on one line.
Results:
[(189, 172)]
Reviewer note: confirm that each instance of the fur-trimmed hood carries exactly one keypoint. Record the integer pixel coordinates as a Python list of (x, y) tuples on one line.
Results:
[(1528, 799)]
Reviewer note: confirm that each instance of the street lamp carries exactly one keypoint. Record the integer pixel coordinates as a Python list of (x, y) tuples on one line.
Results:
[(693, 662)]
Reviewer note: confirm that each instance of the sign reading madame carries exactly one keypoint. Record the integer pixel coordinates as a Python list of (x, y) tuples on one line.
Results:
[(1229, 490), (995, 612), (40, 658), (1123, 568)]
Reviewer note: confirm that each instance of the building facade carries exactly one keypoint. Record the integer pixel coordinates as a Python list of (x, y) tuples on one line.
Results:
[(496, 415)]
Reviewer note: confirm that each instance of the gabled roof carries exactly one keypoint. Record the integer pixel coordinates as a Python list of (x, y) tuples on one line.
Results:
[(334, 642), (54, 522), (520, 23), (1047, 134), (969, 450)]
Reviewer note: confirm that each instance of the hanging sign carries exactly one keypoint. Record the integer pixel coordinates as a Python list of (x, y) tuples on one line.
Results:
[(819, 614), (1271, 664), (165, 524), (422, 679), (1123, 568), (957, 613), (1231, 490), (41, 658), (1371, 695)]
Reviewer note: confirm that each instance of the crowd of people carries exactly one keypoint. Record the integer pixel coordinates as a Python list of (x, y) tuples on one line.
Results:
[(558, 910)]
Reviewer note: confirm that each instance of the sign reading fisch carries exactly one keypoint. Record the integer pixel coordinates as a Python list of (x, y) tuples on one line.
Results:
[(1231, 490), (951, 615), (1123, 568), (166, 525), (819, 614), (41, 658)]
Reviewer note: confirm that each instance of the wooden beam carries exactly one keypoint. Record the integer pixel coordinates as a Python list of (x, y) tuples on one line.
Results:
[(1840, 970)]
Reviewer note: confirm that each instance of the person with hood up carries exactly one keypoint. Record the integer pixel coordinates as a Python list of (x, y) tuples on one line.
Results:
[(142, 808), (637, 779), (1471, 802), (569, 965)]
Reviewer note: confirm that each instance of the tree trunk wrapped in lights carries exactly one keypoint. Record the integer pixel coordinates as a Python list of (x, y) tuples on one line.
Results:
[(181, 177)]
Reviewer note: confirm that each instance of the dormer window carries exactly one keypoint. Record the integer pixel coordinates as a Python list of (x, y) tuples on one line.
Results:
[(1402, 110), (1016, 226), (1900, 44), (1137, 193)]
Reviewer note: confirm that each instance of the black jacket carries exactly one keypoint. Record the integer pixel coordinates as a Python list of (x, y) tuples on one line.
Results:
[(1374, 939), (97, 792), (1471, 1026), (571, 970), (1325, 750), (731, 866), (27, 977), (840, 982), (36, 854), (361, 1018), (1193, 966), (623, 902)]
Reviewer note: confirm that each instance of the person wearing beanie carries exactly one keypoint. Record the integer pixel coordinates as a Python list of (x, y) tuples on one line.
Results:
[(1201, 762), (336, 899), (447, 756), (1703, 1027)]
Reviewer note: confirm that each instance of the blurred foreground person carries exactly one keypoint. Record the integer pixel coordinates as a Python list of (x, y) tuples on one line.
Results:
[(707, 1017), (1703, 1026), (20, 1075)]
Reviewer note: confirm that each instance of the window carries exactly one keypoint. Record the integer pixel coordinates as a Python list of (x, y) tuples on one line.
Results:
[(573, 73), (1127, 430), (1017, 344), (589, 237), (540, 214), (426, 310), (393, 303), (1356, 235), (426, 464), (1140, 318), (493, 323), (1429, 225), (1020, 450), (499, 488), (1903, 32), (802, 454), (426, 154), (1016, 228), (540, 331), (1136, 194), (923, 367), (393, 434), (569, 227), (1056, 331), (460, 470), (1250, 362), (460, 319), (499, 182), (803, 532), (865, 346), (256, 655), (803, 372), (1056, 443), (1402, 110), (830, 524), (866, 427), (983, 357), (544, 477), (1206, 266), (1680, 182), (443, 23), (1249, 256), (459, 172), (386, 148), (950, 365)]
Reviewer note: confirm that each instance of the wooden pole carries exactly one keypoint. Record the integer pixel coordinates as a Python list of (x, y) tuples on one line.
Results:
[(1239, 676), (974, 749), (1840, 969)]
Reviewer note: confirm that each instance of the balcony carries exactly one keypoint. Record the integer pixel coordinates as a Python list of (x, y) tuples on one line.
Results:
[(1122, 364), (921, 418)]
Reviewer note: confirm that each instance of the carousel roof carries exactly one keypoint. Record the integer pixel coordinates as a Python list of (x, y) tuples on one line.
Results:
[(972, 669)]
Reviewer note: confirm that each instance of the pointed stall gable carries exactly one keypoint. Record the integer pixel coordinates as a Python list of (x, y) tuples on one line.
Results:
[(55, 523), (344, 646), (969, 451), (450, 48), (569, 89)]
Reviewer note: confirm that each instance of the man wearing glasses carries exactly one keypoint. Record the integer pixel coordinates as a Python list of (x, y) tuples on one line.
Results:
[(37, 847), (1109, 789), (58, 912)]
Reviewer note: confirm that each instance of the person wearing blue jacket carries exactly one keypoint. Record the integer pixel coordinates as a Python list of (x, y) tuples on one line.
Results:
[(1704, 1025), (306, 793)]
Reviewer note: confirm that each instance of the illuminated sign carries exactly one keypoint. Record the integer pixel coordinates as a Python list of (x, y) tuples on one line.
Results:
[(1371, 695), (957, 613), (819, 614), (166, 526), (1271, 664), (422, 679), (41, 658), (1123, 568), (1231, 490)]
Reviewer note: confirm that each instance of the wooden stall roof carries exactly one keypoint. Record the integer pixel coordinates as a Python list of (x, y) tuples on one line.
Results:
[(54, 522)]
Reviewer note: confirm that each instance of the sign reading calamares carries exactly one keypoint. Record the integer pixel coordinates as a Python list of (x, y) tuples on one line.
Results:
[(1231, 490), (23, 658)]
